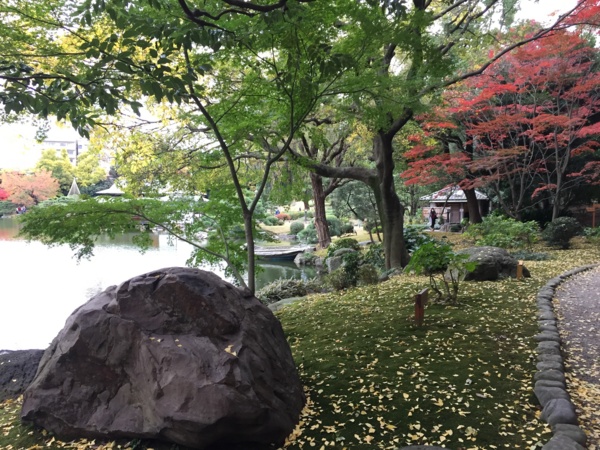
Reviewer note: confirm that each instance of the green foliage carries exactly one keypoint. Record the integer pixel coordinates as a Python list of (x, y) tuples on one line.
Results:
[(343, 243), (7, 208), (296, 227), (367, 274), (308, 235), (559, 232), (445, 268), (414, 237), (375, 256), (346, 228), (287, 288), (498, 231), (346, 276), (59, 166), (335, 226), (337, 279), (272, 221), (592, 234), (80, 223)]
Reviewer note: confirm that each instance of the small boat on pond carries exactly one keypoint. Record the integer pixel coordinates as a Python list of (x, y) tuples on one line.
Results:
[(280, 253)]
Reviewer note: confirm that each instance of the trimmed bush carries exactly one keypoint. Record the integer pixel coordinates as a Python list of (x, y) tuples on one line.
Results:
[(296, 227), (308, 235), (271, 221), (559, 232), (283, 216)]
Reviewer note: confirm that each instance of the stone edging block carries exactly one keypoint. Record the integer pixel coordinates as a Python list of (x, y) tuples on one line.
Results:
[(550, 383)]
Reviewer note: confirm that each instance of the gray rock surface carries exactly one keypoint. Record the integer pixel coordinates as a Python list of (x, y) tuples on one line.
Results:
[(559, 410), (493, 263), (177, 355), (562, 442), (17, 370), (334, 263), (572, 431)]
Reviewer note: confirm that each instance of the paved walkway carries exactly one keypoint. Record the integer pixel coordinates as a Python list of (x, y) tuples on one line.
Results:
[(577, 305)]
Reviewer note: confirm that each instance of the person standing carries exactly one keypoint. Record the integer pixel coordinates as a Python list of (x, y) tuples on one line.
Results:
[(432, 219)]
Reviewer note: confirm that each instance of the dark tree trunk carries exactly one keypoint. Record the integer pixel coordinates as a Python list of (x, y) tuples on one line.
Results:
[(250, 247), (391, 210), (323, 235), (473, 206)]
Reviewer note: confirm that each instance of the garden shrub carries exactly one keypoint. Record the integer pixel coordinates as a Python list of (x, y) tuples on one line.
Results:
[(559, 232), (335, 226), (343, 243), (592, 234), (504, 232), (375, 256), (347, 275), (414, 237), (367, 274), (296, 227), (337, 279), (445, 268), (7, 208), (283, 216), (347, 228), (287, 288), (271, 221), (308, 235)]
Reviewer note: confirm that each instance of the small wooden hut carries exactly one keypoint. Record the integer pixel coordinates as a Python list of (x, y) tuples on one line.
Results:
[(450, 203)]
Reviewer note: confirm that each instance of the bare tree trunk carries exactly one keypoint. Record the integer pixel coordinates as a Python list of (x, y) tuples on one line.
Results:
[(323, 235), (473, 206)]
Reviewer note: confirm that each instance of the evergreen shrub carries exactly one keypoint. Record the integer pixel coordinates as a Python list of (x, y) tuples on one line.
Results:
[(559, 232), (296, 227), (504, 232)]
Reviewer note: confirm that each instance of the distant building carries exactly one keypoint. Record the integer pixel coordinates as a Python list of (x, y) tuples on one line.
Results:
[(74, 147), (450, 203)]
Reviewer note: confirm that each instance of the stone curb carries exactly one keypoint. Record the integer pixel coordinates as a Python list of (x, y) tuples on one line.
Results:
[(550, 383)]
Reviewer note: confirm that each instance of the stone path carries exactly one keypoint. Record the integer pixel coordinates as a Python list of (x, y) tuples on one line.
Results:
[(577, 305)]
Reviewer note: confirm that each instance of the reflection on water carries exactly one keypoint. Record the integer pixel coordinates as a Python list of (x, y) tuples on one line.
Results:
[(41, 286)]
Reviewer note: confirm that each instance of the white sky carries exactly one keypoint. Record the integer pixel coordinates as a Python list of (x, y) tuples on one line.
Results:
[(19, 151)]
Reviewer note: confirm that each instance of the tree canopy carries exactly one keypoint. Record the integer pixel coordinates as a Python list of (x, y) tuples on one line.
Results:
[(238, 81)]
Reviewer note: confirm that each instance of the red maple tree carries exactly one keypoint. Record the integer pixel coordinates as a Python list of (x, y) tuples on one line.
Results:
[(28, 189), (519, 127)]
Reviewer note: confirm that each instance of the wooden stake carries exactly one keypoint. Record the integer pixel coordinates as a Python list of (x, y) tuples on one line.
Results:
[(421, 300), (520, 270)]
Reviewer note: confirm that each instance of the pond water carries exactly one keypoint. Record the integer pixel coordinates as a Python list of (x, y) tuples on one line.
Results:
[(41, 286)]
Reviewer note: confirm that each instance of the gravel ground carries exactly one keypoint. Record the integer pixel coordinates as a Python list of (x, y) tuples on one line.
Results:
[(577, 304)]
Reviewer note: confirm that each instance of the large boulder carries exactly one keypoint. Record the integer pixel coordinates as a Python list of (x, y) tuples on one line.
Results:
[(177, 355), (493, 263), (17, 370)]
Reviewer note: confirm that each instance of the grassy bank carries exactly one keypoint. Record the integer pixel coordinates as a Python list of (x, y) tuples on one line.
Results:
[(374, 380)]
